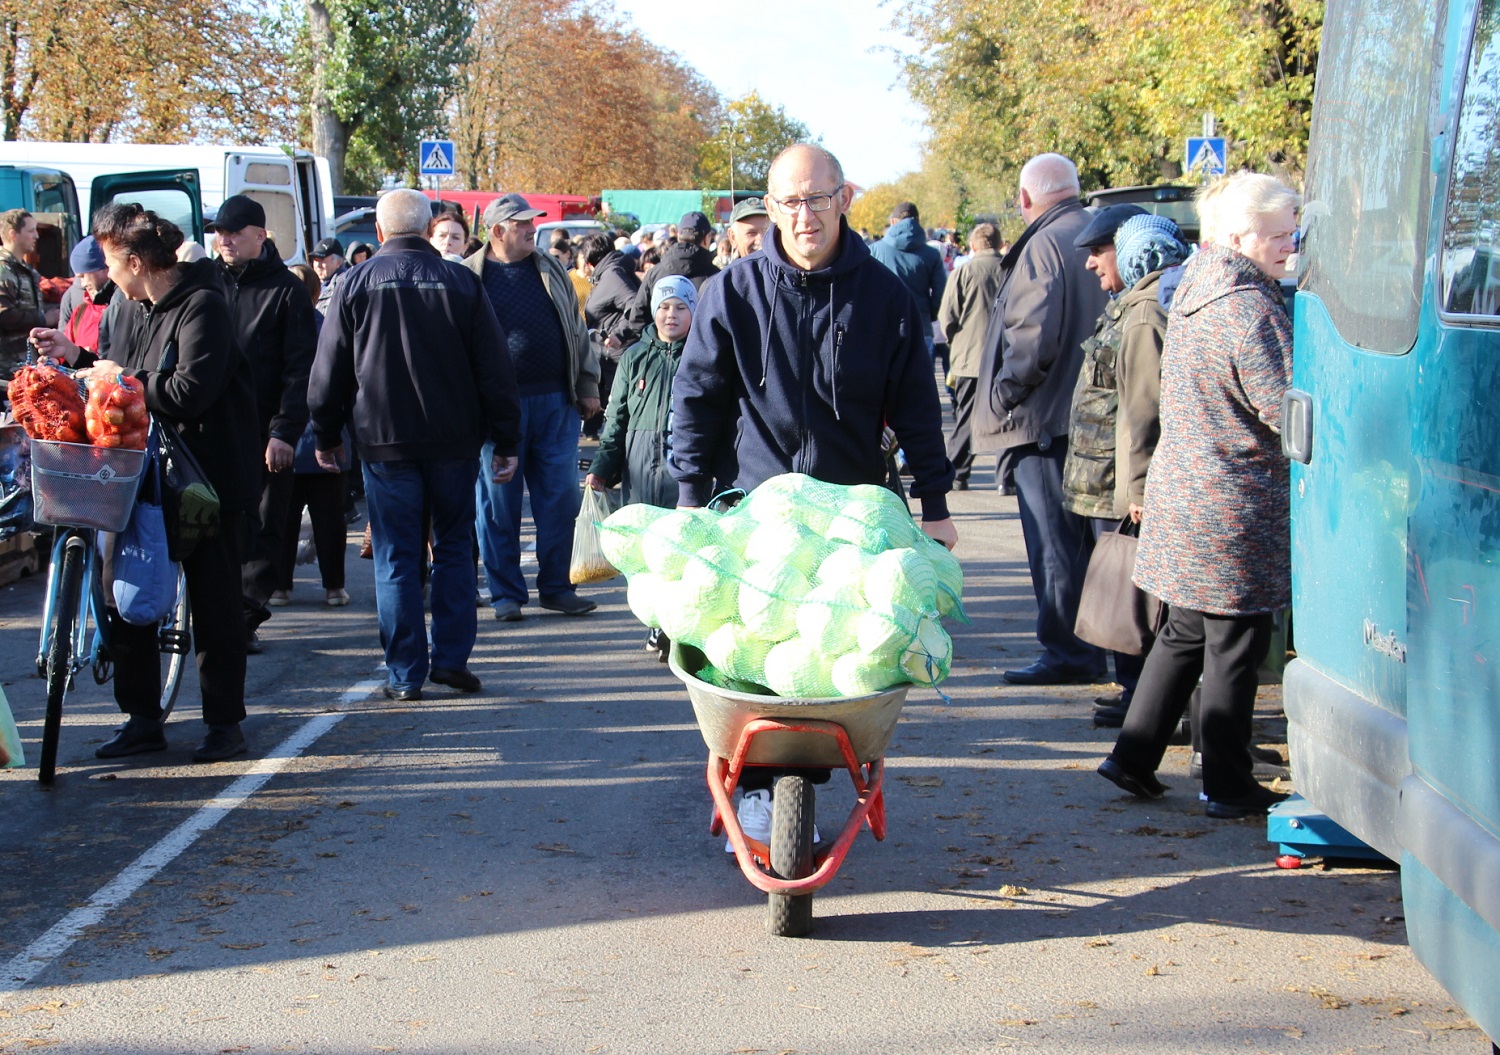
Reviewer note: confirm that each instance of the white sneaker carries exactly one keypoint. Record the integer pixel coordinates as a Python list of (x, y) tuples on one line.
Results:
[(754, 813)]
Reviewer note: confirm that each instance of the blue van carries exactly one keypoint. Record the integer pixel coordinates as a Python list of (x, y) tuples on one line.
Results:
[(1393, 701)]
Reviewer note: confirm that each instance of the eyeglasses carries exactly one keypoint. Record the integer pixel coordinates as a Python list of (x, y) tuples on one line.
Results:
[(816, 203)]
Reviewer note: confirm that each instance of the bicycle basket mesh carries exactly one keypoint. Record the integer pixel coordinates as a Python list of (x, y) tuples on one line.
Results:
[(79, 485)]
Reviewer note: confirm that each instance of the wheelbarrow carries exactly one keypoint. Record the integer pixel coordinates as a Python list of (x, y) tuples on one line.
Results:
[(743, 729)]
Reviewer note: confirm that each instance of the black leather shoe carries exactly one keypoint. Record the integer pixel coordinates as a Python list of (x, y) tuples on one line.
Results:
[(253, 646), (1110, 717), (1267, 756), (1147, 787), (508, 611), (403, 694), (222, 742), (1104, 703), (1043, 673), (136, 737), (461, 680), (568, 604), (1252, 805)]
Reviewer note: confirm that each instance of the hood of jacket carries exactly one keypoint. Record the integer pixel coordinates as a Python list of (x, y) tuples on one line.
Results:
[(1145, 289), (906, 235), (200, 274), (1214, 273), (687, 259), (852, 252), (615, 261)]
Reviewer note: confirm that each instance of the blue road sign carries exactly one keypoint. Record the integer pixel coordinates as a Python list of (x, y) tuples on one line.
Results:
[(436, 157), (1207, 154)]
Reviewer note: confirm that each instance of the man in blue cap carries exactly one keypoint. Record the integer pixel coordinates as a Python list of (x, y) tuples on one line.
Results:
[(82, 316)]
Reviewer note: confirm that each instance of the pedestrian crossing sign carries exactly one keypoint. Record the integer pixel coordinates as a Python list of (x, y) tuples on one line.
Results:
[(1207, 155), (436, 157)]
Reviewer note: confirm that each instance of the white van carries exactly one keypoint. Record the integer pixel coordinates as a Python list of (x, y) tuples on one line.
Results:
[(185, 182)]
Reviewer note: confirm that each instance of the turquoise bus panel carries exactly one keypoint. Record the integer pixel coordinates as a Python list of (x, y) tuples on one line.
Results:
[(1459, 948), (1350, 505)]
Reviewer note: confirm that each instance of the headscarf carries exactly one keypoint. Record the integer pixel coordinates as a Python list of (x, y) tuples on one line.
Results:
[(1148, 243), (669, 286)]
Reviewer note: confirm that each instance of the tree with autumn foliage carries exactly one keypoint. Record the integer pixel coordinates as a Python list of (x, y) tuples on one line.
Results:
[(149, 71), (569, 100), (1115, 85), (751, 132)]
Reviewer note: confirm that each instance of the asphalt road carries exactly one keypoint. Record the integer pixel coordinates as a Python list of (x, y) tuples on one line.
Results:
[(529, 870)]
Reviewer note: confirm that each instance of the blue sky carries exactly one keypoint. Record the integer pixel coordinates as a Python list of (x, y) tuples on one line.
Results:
[(823, 61)]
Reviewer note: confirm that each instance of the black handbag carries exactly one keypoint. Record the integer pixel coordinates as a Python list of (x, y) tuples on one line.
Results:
[(1114, 612), (189, 502)]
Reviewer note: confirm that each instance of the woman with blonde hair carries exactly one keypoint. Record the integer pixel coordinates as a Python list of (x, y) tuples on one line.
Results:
[(1215, 537)]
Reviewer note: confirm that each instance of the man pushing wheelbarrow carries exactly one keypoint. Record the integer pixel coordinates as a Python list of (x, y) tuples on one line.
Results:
[(800, 355)]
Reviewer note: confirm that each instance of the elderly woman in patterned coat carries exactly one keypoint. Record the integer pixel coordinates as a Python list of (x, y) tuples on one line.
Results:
[(1215, 532)]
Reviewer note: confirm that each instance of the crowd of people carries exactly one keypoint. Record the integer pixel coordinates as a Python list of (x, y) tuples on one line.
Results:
[(1116, 373)]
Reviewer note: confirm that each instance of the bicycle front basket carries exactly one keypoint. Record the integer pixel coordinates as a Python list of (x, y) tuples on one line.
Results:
[(79, 485)]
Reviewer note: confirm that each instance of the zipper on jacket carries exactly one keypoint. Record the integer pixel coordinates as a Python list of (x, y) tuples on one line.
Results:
[(833, 382)]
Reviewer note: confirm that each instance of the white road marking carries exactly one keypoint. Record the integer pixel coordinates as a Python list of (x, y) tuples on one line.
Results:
[(39, 955)]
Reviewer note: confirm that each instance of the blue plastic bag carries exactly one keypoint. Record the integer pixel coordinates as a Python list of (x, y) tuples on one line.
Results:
[(145, 578)]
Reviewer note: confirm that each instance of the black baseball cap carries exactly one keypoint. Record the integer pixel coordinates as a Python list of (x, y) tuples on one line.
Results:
[(694, 223), (1104, 223), (328, 247), (237, 213)]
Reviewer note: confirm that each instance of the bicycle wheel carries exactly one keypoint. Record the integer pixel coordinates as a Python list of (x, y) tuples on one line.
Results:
[(66, 613), (175, 646), (788, 915)]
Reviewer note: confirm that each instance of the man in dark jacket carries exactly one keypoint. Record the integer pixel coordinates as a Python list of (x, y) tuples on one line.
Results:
[(21, 307), (412, 358), (797, 359), (813, 348), (1045, 310), (274, 324), (905, 251), (963, 318), (689, 257)]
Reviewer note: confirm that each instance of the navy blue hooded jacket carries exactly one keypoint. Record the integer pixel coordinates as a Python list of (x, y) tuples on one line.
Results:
[(413, 359), (905, 251), (794, 371)]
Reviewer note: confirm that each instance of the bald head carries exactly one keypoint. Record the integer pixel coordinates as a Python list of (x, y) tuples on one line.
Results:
[(1046, 180), (402, 212), (801, 158), (807, 196)]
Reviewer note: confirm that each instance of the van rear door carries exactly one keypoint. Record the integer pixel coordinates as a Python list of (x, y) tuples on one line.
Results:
[(173, 194), (271, 179)]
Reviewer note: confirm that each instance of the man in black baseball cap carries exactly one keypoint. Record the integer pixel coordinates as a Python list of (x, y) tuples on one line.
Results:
[(328, 262), (275, 327), (688, 256)]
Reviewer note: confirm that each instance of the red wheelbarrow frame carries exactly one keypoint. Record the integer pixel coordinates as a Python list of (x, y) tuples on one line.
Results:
[(754, 856)]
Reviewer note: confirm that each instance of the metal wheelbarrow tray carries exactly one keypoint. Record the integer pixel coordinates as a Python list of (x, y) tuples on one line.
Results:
[(743, 729)]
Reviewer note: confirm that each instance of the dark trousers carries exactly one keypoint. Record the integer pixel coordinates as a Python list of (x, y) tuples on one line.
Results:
[(1127, 667), (1227, 651), (961, 443), (1058, 545), (261, 575), (218, 630), (322, 495)]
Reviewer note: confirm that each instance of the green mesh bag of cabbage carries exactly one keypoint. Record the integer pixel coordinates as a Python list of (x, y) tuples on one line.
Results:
[(807, 588)]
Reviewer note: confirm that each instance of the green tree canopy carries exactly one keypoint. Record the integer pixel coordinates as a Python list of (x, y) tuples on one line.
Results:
[(753, 132), (1114, 85)]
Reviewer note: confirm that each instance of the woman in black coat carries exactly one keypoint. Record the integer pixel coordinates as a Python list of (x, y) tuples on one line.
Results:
[(198, 382)]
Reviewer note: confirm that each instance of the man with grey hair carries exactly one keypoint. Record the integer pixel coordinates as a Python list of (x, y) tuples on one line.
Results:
[(1043, 312), (557, 376), (412, 358)]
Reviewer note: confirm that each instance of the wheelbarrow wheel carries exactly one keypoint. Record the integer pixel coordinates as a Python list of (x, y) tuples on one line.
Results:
[(790, 916)]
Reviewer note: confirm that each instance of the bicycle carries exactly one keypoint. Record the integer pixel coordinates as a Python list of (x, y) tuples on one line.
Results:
[(82, 490)]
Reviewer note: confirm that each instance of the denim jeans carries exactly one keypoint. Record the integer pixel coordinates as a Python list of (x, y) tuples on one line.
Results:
[(395, 494), (548, 472), (1058, 546)]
